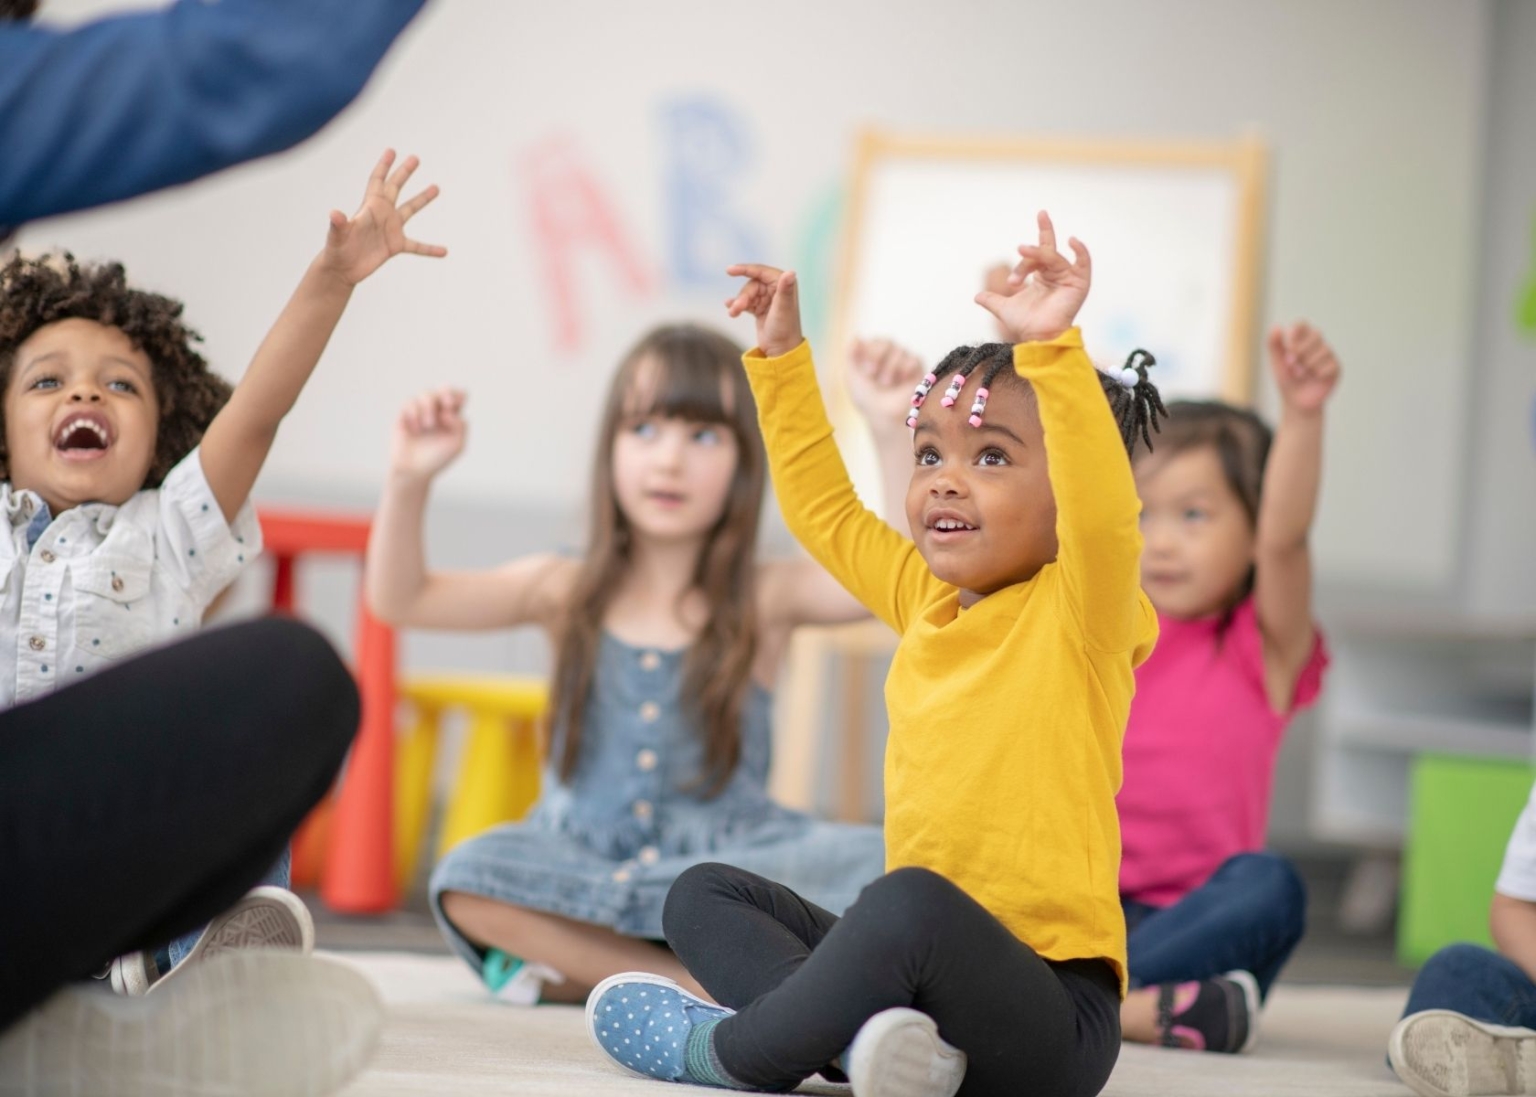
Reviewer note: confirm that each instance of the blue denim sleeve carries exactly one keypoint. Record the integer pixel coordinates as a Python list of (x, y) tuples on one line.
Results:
[(134, 103)]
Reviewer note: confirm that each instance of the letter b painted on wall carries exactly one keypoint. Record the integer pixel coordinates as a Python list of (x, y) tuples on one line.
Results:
[(707, 151)]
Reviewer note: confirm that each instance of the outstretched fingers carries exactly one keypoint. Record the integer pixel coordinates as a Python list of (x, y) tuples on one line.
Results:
[(431, 251), (378, 178), (420, 202), (399, 177)]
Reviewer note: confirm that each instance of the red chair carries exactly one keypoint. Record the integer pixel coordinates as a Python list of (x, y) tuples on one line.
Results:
[(351, 839)]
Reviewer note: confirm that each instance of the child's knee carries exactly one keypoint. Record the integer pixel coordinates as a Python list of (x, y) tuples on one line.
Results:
[(693, 893), (311, 668), (913, 886), (1459, 963), (304, 670), (907, 903), (1272, 876)]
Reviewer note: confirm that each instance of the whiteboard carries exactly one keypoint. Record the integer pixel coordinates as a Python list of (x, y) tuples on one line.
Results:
[(1172, 232)]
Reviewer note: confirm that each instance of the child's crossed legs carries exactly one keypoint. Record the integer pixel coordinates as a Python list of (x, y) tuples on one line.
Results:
[(805, 981)]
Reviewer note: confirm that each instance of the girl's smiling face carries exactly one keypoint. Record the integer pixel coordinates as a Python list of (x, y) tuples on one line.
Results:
[(980, 502), (81, 415), (1198, 539)]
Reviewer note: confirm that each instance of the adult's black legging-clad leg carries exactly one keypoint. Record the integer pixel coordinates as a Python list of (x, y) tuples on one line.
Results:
[(147, 799), (804, 982)]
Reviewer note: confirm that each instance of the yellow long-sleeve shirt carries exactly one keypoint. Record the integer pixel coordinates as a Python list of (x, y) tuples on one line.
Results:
[(1006, 718)]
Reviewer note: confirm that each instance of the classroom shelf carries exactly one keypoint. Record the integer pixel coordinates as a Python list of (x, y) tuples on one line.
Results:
[(1400, 687)]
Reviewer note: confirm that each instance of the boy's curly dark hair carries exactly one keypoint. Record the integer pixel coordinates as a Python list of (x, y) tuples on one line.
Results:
[(17, 9), (37, 292), (1137, 408)]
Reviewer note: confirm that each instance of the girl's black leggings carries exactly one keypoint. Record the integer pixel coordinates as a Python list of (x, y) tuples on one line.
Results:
[(804, 982)]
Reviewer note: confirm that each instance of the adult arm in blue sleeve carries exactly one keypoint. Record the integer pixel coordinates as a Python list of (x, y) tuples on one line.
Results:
[(133, 103)]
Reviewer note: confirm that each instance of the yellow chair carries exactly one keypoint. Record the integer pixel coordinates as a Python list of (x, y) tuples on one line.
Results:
[(499, 774)]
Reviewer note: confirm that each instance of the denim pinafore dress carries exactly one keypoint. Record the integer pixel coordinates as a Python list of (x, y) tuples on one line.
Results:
[(606, 847)]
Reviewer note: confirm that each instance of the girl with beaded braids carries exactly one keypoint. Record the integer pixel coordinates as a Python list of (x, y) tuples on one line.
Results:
[(1213, 916), (128, 467), (993, 950)]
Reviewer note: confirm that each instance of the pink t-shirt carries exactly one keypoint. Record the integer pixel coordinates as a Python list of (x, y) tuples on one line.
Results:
[(1200, 752)]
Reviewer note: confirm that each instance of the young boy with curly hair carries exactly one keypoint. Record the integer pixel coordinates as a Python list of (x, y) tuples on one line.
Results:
[(127, 468)]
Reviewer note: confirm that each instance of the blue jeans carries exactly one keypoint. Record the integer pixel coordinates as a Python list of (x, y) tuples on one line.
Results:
[(1481, 984), (1248, 916), (177, 950)]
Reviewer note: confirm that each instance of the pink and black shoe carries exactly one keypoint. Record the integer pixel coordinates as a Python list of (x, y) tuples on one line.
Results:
[(1218, 1014)]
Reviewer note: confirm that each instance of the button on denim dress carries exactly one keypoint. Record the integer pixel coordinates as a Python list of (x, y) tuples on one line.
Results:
[(606, 847)]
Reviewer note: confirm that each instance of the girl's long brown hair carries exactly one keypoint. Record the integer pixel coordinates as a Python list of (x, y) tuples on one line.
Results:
[(693, 374)]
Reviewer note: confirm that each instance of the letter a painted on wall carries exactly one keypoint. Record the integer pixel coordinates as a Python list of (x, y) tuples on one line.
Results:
[(707, 151), (571, 214)]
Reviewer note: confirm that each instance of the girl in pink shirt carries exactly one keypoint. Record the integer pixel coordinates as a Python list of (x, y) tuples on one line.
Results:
[(1226, 510)]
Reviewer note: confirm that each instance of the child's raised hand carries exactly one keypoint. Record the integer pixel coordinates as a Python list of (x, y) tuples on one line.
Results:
[(1305, 367), (881, 378), (1045, 290), (356, 247), (773, 297), (429, 434)]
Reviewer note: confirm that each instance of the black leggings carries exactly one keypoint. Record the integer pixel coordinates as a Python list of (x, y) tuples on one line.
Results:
[(145, 800), (805, 981)]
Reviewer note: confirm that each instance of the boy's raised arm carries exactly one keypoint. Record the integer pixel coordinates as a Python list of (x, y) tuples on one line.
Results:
[(240, 436)]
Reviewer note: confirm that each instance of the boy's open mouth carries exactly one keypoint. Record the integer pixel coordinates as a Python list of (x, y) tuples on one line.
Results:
[(83, 436)]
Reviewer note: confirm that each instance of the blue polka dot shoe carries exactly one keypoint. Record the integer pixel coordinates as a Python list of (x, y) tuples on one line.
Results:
[(642, 1022)]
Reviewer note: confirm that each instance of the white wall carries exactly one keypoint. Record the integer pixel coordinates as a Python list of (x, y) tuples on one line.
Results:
[(1501, 556), (1374, 110)]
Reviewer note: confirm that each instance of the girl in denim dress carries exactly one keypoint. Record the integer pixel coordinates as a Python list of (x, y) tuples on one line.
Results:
[(668, 634)]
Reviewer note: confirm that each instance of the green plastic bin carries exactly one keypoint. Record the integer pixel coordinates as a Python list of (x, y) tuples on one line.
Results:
[(1460, 814)]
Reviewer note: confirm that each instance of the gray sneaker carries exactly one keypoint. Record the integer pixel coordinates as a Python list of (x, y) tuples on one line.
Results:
[(265, 917), (244, 1024), (1438, 1053)]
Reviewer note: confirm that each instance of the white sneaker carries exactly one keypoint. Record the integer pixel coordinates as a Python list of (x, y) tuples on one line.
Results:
[(898, 1053), (243, 1024), (265, 917), (1438, 1053)]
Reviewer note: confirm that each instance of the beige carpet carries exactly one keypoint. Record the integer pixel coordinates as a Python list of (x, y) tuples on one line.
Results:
[(444, 1036)]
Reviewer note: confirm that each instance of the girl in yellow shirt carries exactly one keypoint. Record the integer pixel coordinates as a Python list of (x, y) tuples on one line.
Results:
[(993, 952)]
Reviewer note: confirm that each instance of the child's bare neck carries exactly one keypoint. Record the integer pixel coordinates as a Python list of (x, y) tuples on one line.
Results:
[(657, 604), (666, 567)]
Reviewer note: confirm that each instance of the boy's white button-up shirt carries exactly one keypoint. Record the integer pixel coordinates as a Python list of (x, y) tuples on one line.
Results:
[(102, 583), (1517, 876)]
